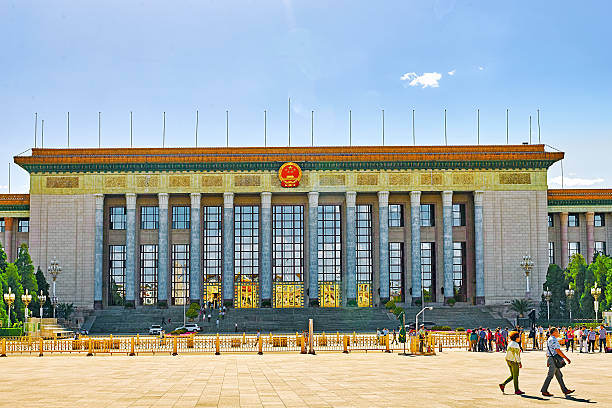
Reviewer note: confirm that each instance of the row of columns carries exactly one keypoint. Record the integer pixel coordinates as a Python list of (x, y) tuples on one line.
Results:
[(350, 276), (590, 235), (8, 238)]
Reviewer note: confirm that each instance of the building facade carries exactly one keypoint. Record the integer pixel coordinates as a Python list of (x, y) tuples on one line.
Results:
[(293, 226)]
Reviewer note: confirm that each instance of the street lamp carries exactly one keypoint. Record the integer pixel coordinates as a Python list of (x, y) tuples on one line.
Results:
[(595, 291), (569, 293), (527, 266), (416, 321), (9, 298), (26, 299), (547, 295), (41, 300), (54, 269)]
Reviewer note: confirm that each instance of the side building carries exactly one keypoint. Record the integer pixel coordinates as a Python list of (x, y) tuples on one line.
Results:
[(285, 227)]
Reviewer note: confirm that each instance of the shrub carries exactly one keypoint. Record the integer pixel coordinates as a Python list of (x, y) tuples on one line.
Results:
[(397, 310), (178, 332), (451, 302), (390, 304), (266, 303), (521, 306), (11, 332), (352, 303), (228, 303), (162, 304), (193, 311), (460, 329), (441, 328)]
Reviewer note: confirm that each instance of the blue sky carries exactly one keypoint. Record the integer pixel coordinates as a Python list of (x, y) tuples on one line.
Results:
[(328, 56)]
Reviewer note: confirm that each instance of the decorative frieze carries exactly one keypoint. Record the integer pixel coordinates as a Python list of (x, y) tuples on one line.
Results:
[(62, 182), (115, 182), (247, 180), (180, 181), (463, 179), (367, 179), (211, 181), (147, 181), (431, 179), (514, 178), (400, 179), (332, 180)]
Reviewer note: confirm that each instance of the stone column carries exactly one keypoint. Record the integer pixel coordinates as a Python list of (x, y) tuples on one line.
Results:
[(350, 283), (590, 232), (383, 245), (313, 246), (163, 262), (479, 247), (8, 238), (130, 250), (265, 264), (564, 242), (415, 228), (98, 251), (195, 272), (447, 224), (228, 247)]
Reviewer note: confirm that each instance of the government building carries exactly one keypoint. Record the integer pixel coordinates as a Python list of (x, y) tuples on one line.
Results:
[(294, 227)]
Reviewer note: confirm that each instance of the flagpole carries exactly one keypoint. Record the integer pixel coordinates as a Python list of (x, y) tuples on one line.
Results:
[(227, 128), (507, 127), (312, 128), (445, 137), (35, 127), (197, 124), (413, 134), (265, 128), (539, 138), (99, 129), (350, 128), (478, 124), (131, 131), (68, 129), (289, 121), (164, 131), (383, 127)]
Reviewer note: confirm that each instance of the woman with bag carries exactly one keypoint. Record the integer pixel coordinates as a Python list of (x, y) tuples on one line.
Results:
[(554, 362), (513, 358)]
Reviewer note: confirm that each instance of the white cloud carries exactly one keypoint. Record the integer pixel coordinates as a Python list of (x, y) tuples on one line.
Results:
[(427, 79), (481, 68), (451, 73), (575, 181)]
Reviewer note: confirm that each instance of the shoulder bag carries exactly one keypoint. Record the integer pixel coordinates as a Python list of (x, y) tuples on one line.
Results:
[(559, 361)]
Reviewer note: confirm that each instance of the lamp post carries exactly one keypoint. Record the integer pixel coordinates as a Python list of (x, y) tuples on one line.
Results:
[(569, 293), (547, 295), (9, 298), (26, 299), (416, 318), (41, 300), (54, 269), (595, 291), (527, 266)]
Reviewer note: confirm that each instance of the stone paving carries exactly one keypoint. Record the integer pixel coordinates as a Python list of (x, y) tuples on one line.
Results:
[(450, 379)]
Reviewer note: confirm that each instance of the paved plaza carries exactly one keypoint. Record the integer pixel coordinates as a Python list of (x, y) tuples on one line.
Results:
[(450, 379)]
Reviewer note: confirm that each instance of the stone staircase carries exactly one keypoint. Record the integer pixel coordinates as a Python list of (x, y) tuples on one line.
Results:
[(459, 315)]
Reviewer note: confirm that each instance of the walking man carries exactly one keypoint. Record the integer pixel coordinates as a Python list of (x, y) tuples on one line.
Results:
[(554, 348), (602, 338)]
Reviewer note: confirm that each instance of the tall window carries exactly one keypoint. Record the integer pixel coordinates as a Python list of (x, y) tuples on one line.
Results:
[(600, 220), (600, 247), (116, 263), (551, 222), (396, 215), (148, 274), (572, 220), (212, 239), (428, 270), (364, 243), (396, 269), (427, 215), (23, 226), (117, 218), (458, 215), (180, 273), (330, 244), (180, 217), (149, 217), (288, 243), (2, 225), (459, 271), (573, 248), (551, 253), (246, 241)]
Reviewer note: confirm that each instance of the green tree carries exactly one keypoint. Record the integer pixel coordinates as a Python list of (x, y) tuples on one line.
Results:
[(601, 267), (42, 284), (3, 313), (11, 277), (2, 259), (26, 271), (575, 274), (555, 283), (586, 299)]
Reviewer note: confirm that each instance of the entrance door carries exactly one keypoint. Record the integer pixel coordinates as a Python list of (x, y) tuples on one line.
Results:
[(364, 299), (212, 294), (287, 296), (329, 295), (246, 296)]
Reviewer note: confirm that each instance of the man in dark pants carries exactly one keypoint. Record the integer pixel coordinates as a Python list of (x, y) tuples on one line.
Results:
[(602, 338), (553, 347)]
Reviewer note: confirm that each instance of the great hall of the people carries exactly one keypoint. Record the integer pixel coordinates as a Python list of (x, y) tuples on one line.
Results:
[(289, 227)]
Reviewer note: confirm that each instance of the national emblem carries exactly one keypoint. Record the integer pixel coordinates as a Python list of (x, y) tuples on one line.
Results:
[(290, 175)]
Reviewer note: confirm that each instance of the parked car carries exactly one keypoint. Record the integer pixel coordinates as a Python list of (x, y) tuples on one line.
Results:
[(84, 332), (155, 330), (428, 325), (193, 327)]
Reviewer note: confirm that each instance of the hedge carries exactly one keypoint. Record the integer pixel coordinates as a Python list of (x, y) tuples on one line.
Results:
[(10, 332)]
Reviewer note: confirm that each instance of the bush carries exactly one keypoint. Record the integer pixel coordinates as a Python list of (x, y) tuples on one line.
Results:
[(451, 302), (178, 332), (417, 302), (65, 310), (266, 303), (193, 311), (460, 329), (352, 303), (397, 310), (228, 303), (390, 305), (162, 304), (11, 332), (441, 328)]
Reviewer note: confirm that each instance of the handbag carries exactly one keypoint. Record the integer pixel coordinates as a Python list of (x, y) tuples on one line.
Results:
[(557, 359)]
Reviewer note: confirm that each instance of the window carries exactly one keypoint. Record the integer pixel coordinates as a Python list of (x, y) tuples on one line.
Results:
[(117, 218), (149, 217), (600, 220), (459, 278), (23, 226), (116, 263), (600, 247), (458, 215), (2, 225), (396, 215), (572, 220), (364, 243), (396, 269), (427, 215), (288, 243), (180, 273), (330, 244), (246, 244), (551, 253), (148, 273), (180, 217), (428, 271), (551, 222), (212, 241), (573, 248)]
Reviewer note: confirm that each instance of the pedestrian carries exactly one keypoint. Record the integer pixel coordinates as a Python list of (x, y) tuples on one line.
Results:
[(217, 323), (490, 339), (504, 334), (554, 363), (377, 336), (474, 340), (541, 336), (498, 340), (569, 342), (395, 337), (592, 340), (169, 320), (532, 335), (235, 327), (163, 321), (583, 338), (482, 346), (209, 316), (602, 338), (513, 359)]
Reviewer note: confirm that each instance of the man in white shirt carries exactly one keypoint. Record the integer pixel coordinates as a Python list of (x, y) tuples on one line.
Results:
[(554, 348)]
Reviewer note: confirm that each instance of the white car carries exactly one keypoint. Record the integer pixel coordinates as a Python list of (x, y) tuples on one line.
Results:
[(155, 330), (192, 327)]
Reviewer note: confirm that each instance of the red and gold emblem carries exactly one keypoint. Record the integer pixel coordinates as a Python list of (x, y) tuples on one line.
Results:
[(290, 175)]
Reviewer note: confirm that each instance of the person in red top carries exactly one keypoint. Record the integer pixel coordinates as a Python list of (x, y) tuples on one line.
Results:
[(569, 339), (490, 339)]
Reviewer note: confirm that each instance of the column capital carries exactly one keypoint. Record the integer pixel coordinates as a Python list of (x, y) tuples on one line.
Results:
[(351, 198), (266, 199), (383, 198), (590, 217), (162, 201), (447, 198), (130, 201), (8, 224), (478, 197), (313, 198), (195, 200), (415, 198), (228, 200), (99, 201)]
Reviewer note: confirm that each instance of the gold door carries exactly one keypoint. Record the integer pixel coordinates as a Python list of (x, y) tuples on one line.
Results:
[(329, 295), (288, 296), (212, 293), (363, 295), (246, 296)]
